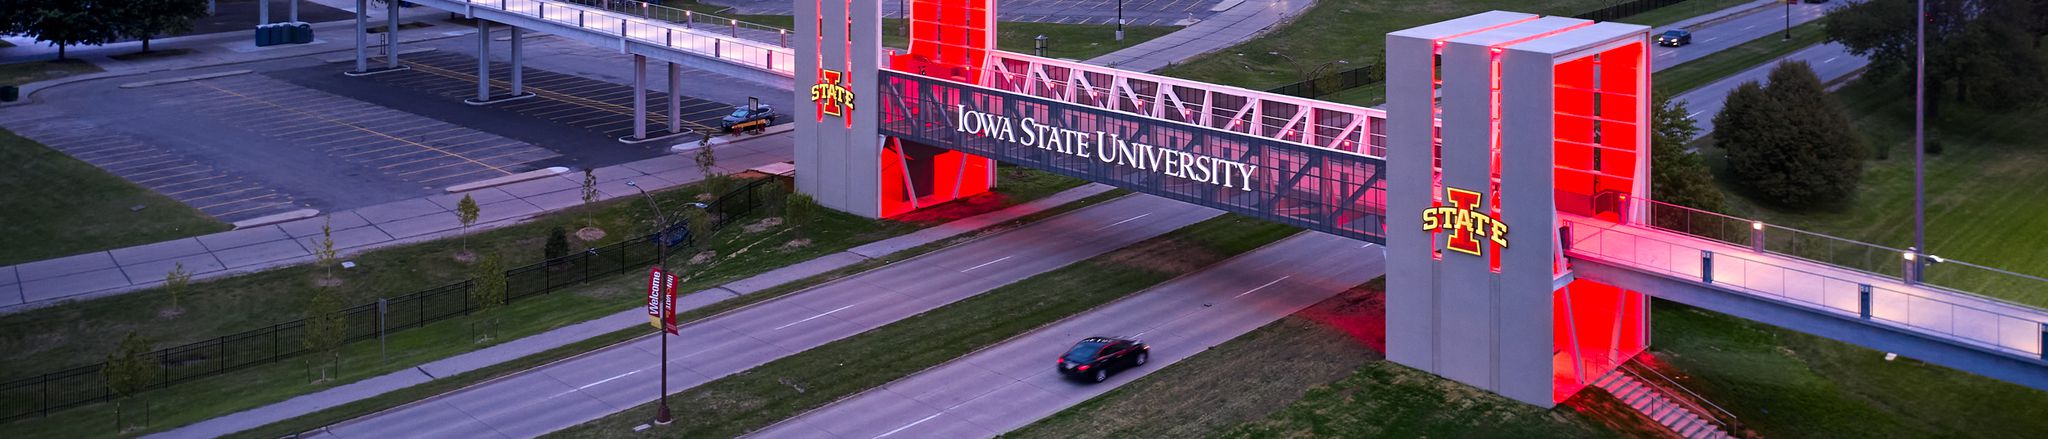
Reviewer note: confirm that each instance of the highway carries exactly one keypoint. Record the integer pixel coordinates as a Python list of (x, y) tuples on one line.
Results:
[(1731, 32), (609, 380), (1012, 384), (1829, 61)]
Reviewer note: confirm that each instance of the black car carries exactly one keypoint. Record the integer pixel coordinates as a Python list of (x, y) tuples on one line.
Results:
[(1674, 38), (749, 120), (1093, 357)]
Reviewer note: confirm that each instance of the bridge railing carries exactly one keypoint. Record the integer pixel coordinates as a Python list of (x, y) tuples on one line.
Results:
[(1970, 319), (769, 56), (692, 19)]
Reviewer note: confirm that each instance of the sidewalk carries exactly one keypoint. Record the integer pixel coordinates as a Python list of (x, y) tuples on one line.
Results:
[(36, 284)]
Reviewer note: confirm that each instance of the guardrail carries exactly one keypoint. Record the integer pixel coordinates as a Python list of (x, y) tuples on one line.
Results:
[(1705, 254), (649, 27), (78, 386)]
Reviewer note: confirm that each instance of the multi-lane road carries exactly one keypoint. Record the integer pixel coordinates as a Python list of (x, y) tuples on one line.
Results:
[(1719, 35), (1011, 384)]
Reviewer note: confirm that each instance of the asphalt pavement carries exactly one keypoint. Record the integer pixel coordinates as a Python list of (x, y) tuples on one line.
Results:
[(606, 381), (1829, 61), (1727, 33), (1012, 384)]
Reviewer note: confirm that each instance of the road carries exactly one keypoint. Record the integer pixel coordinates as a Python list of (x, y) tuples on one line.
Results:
[(606, 381), (1733, 32), (1829, 61), (1012, 384)]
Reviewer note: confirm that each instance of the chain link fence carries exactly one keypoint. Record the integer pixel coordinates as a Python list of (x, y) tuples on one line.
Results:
[(73, 387)]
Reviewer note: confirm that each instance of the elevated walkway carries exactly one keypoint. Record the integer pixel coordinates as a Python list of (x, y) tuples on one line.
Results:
[(720, 45), (1780, 281)]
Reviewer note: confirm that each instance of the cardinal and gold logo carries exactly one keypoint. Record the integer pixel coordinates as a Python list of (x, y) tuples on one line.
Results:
[(1466, 219), (831, 94)]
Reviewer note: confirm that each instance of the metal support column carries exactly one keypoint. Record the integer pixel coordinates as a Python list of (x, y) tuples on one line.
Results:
[(675, 98), (391, 34), (263, 12), (518, 64), (639, 97), (362, 36), (483, 60)]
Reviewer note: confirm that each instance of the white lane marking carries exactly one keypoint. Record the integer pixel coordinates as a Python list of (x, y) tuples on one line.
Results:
[(907, 426), (985, 264), (1118, 223), (806, 319), (1710, 40), (1830, 60), (1695, 113), (1668, 53), (1261, 287), (1748, 27), (606, 380)]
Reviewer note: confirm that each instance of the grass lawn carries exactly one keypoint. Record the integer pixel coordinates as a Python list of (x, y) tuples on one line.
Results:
[(1710, 68), (1985, 191), (82, 332), (1317, 373), (27, 72), (744, 402), (58, 206), (1782, 383)]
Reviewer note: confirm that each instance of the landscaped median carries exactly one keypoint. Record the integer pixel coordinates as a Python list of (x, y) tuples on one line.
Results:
[(81, 333), (786, 387)]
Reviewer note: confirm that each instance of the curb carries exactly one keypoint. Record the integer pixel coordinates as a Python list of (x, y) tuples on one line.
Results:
[(184, 79), (509, 179), (728, 140), (375, 58), (277, 218)]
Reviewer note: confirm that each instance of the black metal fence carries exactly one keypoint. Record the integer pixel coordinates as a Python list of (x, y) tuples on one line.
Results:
[(1333, 82), (1624, 10), (40, 395)]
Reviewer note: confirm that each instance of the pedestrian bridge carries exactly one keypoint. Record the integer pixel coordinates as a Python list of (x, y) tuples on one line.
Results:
[(723, 45)]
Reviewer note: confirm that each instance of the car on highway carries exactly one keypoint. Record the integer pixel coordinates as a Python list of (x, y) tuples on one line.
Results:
[(1094, 358), (752, 120), (1674, 38)]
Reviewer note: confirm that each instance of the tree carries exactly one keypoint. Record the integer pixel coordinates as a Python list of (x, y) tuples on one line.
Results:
[(589, 197), (1969, 42), (466, 212), (175, 282), (1678, 176), (1790, 142), (127, 371), (326, 327), (800, 210), (145, 19), (489, 292), (557, 244), (64, 22), (323, 250)]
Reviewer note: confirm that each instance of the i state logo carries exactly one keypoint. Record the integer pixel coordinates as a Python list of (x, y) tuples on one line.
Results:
[(831, 94), (1467, 221)]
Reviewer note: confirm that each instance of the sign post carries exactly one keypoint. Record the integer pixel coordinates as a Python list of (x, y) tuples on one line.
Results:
[(661, 313)]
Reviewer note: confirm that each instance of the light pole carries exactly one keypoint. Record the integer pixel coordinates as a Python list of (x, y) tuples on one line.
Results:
[(661, 414), (1119, 20), (1920, 139), (1788, 19), (1040, 48)]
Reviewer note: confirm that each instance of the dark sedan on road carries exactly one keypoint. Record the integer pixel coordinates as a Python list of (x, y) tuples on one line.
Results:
[(1093, 358), (1674, 38)]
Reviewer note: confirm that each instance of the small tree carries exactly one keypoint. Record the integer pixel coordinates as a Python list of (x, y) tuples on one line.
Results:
[(145, 19), (589, 197), (557, 245), (1790, 142), (323, 251), (466, 211), (175, 282), (325, 328), (489, 292), (127, 371)]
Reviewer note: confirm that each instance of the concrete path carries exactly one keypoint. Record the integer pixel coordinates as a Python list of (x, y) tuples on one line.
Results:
[(1228, 28), (41, 283), (538, 343), (602, 382), (1011, 384), (1830, 61)]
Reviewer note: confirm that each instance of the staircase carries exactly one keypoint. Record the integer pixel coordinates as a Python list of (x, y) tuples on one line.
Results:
[(1681, 418)]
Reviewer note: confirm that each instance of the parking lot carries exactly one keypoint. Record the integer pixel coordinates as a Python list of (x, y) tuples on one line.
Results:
[(190, 179), (601, 107)]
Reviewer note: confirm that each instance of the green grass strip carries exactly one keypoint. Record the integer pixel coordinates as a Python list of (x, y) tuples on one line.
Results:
[(1710, 68)]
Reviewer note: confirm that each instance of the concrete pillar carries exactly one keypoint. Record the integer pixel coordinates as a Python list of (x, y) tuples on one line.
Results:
[(362, 36), (391, 34), (675, 98), (518, 63), (483, 60), (262, 12), (294, 10), (639, 97)]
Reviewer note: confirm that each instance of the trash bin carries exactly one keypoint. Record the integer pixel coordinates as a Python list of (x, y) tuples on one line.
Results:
[(280, 33), (263, 35), (302, 32), (9, 93)]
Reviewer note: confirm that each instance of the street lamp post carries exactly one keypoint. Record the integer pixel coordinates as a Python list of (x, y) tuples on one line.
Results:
[(1920, 136), (1788, 19), (1119, 20), (1039, 49), (661, 413)]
